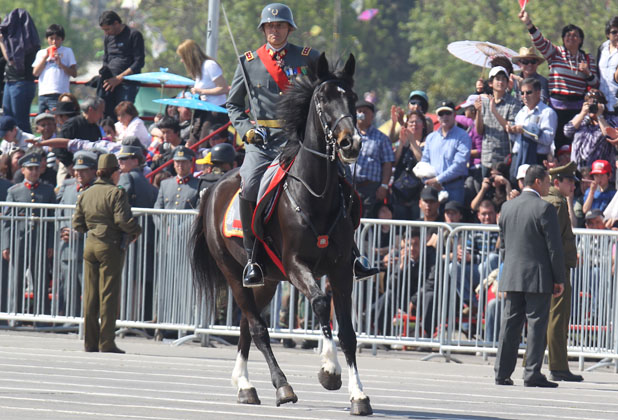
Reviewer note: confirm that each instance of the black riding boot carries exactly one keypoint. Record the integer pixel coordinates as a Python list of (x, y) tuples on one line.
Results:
[(252, 275), (361, 267)]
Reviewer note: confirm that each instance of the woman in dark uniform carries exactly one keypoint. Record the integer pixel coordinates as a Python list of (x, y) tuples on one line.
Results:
[(104, 212)]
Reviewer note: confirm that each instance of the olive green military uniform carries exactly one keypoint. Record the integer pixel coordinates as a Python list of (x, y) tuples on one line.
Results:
[(560, 309), (104, 212)]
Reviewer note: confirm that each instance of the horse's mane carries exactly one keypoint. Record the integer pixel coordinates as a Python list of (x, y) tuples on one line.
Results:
[(293, 109)]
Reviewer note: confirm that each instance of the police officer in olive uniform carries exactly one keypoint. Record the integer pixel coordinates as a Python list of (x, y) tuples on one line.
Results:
[(563, 185), (267, 71), (221, 159), (72, 243), (179, 192), (30, 190), (104, 212), (140, 192)]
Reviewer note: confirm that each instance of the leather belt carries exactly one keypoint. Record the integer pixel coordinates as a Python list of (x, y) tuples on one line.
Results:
[(270, 123)]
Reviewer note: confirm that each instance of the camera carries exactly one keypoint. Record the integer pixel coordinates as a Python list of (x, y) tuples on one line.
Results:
[(594, 106)]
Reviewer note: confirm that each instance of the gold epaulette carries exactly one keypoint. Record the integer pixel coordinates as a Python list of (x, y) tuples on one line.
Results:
[(305, 52), (249, 55)]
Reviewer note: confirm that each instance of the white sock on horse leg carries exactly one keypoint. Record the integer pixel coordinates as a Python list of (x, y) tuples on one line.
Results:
[(330, 364), (355, 387), (240, 374)]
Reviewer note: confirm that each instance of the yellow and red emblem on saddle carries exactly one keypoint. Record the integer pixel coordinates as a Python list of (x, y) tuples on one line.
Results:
[(249, 56)]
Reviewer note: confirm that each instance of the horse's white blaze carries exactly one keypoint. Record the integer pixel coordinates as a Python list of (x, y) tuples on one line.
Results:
[(240, 374), (355, 388), (330, 364)]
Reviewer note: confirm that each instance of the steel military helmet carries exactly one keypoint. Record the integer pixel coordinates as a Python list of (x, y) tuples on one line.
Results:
[(222, 153), (277, 12)]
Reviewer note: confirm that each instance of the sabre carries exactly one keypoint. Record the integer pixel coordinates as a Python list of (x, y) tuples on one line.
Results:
[(242, 68)]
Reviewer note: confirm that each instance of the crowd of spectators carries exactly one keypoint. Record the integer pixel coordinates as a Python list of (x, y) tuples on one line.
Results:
[(463, 168)]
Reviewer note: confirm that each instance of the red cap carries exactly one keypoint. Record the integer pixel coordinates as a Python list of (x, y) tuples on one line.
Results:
[(564, 149), (601, 167)]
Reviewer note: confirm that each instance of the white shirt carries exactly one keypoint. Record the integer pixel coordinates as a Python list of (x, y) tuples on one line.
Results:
[(135, 128), (210, 71), (53, 79), (20, 142), (607, 67), (542, 116)]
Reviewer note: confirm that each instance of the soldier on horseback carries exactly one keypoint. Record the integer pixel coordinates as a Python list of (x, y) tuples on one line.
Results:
[(266, 73), (262, 76)]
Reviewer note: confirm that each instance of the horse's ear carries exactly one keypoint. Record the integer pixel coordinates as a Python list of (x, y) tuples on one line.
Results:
[(348, 69), (322, 67)]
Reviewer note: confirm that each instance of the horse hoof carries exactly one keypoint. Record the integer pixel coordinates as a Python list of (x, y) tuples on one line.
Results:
[(248, 396), (330, 381), (285, 394), (361, 407)]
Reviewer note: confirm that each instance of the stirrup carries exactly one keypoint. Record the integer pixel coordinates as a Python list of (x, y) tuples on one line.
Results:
[(362, 270), (252, 275)]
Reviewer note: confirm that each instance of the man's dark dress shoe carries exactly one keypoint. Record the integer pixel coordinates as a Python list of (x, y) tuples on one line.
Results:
[(112, 350), (505, 381), (565, 375), (541, 383), (91, 349)]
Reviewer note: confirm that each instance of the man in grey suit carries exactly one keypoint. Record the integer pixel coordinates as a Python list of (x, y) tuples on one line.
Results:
[(533, 271)]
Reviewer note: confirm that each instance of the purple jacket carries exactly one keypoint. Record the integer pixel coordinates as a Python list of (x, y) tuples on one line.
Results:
[(477, 140)]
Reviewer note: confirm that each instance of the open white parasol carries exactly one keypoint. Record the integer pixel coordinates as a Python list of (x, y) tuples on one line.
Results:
[(480, 53)]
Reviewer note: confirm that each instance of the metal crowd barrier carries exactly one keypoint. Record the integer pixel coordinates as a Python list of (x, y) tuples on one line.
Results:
[(439, 297)]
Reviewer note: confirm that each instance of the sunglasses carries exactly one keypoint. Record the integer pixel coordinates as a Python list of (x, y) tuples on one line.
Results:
[(526, 92), (526, 62), (443, 113)]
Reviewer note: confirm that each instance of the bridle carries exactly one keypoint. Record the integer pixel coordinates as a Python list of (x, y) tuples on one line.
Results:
[(331, 142)]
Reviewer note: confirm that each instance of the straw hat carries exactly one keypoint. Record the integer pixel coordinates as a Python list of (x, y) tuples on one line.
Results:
[(527, 53)]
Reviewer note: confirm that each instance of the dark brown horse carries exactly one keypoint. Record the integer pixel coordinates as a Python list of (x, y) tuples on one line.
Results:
[(319, 114)]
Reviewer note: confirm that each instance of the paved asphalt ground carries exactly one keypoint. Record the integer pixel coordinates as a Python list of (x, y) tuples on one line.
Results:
[(48, 376)]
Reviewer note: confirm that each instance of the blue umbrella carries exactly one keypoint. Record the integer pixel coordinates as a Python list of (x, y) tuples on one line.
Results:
[(191, 103), (161, 78)]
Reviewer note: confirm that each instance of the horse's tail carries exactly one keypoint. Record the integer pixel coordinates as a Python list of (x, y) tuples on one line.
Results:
[(207, 277)]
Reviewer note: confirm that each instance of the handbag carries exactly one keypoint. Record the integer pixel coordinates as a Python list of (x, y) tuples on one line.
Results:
[(407, 186)]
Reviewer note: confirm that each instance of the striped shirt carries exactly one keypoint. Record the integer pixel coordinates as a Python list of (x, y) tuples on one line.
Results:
[(564, 77)]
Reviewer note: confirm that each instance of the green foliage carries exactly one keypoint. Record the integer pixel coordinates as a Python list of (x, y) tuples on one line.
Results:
[(402, 48)]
